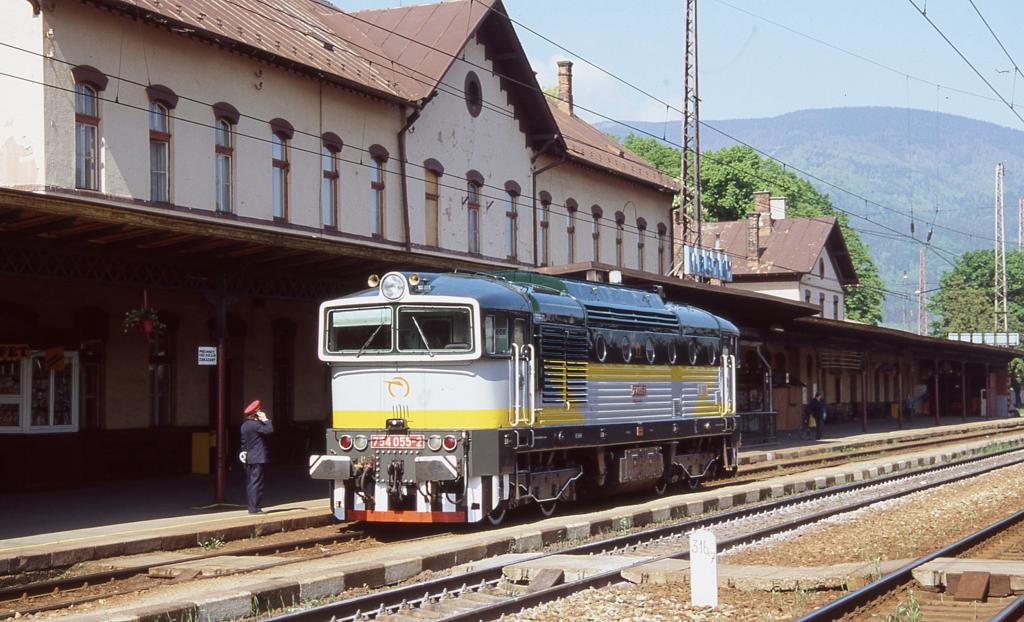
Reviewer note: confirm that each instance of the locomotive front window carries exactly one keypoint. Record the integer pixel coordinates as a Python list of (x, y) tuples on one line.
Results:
[(435, 330), (359, 331)]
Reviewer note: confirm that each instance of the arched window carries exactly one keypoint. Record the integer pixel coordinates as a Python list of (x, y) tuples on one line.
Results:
[(379, 157), (620, 231), (161, 101), (641, 235), (821, 267), (474, 182), (662, 230), (512, 191), (225, 152), (432, 172), (87, 129), (595, 231), (329, 150), (280, 137), (570, 229), (545, 230)]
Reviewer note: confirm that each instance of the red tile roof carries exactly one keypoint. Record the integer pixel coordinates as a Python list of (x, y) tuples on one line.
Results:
[(790, 249)]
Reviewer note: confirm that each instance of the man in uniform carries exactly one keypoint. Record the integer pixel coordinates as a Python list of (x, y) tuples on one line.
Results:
[(255, 427)]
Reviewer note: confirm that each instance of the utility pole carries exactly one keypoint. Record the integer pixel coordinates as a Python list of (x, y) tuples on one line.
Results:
[(1020, 223), (922, 296), (1000, 258), (686, 224)]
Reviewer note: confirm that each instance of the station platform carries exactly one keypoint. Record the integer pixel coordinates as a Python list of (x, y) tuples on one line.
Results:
[(58, 528)]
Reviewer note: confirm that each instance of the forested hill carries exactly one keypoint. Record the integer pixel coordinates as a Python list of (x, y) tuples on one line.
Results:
[(899, 158)]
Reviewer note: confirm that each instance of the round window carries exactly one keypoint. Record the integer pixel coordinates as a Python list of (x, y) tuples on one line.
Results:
[(673, 353), (601, 349), (627, 350), (712, 354), (649, 351), (693, 352), (474, 94)]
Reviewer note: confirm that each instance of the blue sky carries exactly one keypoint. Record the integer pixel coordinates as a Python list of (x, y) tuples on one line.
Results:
[(752, 68)]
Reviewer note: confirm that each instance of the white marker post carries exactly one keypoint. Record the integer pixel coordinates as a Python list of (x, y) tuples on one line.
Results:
[(703, 569)]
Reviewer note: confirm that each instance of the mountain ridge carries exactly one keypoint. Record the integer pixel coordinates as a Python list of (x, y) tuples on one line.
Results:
[(939, 165)]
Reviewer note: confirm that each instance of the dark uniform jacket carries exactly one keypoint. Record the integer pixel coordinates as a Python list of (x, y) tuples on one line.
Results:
[(254, 442)]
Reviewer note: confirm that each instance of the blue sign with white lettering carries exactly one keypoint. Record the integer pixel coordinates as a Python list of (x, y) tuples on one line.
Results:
[(707, 263)]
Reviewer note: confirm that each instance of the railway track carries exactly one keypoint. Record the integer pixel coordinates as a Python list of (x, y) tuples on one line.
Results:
[(998, 542), (24, 599), (484, 594)]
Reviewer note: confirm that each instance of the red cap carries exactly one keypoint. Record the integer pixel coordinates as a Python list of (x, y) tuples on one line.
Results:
[(252, 408)]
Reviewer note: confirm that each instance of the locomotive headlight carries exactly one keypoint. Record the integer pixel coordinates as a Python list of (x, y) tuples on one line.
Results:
[(392, 286), (359, 442), (434, 443)]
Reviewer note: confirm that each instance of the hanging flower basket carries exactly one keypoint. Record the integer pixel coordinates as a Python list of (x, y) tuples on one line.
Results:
[(145, 320)]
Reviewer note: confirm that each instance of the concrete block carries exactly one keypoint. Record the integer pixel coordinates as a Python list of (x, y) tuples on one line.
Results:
[(275, 595), (661, 572), (973, 586), (441, 559), (217, 606), (528, 542), (660, 515), (552, 535), (776, 491), (401, 569), (820, 483), (938, 573), (751, 496), (70, 557), (574, 567), (164, 612), (577, 531), (549, 577), (724, 502), (368, 575), (641, 518), (324, 586), (694, 508), (216, 566)]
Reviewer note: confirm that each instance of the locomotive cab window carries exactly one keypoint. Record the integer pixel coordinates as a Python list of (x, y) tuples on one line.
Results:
[(359, 330), (434, 330)]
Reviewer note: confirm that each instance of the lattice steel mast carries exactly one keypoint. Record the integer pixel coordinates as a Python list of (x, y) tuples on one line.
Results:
[(1020, 223), (1000, 258), (922, 296), (686, 224)]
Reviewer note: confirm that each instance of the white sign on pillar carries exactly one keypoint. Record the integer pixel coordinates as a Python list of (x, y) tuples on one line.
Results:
[(703, 569)]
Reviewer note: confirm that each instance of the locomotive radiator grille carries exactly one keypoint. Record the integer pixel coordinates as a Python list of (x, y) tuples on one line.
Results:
[(564, 352)]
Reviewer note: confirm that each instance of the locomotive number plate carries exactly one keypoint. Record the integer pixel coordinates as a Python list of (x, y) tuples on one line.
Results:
[(396, 441)]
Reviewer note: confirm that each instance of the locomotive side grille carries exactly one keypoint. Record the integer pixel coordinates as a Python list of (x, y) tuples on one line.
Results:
[(565, 352), (635, 319)]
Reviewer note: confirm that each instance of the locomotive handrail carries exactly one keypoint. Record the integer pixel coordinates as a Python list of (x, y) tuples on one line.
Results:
[(515, 384), (732, 366), (531, 370)]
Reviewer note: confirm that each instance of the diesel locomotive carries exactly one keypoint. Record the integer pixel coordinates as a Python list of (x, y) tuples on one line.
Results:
[(458, 397)]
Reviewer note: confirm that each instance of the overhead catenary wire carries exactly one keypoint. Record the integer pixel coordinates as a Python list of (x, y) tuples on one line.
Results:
[(518, 82), (964, 58)]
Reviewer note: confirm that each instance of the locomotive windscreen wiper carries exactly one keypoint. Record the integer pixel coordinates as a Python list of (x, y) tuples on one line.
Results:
[(369, 339), (422, 336)]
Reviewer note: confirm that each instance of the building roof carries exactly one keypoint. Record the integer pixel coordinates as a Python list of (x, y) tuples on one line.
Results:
[(289, 32), (399, 54), (591, 146), (790, 248)]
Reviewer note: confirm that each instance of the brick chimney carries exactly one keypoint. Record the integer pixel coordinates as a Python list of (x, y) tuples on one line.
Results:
[(565, 86), (753, 236), (763, 206)]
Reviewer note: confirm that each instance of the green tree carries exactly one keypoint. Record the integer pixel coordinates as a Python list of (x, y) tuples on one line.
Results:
[(730, 176), (965, 301)]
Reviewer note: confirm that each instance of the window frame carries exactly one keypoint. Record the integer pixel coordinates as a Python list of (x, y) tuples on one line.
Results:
[(23, 399), (511, 225), (161, 138), (661, 251), (224, 153), (473, 188), (378, 203), (545, 232), (281, 166), (570, 229), (83, 120), (432, 207), (329, 179), (620, 231)]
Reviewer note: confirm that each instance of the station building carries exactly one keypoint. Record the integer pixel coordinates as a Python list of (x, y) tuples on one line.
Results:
[(217, 169)]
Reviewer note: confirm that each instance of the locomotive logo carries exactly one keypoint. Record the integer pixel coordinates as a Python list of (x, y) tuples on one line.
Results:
[(398, 387), (638, 392)]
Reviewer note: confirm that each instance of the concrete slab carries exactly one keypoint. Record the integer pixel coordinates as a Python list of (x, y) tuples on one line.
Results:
[(157, 558), (549, 577), (973, 586), (938, 573), (766, 578), (217, 566), (574, 567)]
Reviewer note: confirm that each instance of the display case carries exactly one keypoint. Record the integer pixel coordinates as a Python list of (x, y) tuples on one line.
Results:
[(40, 393)]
